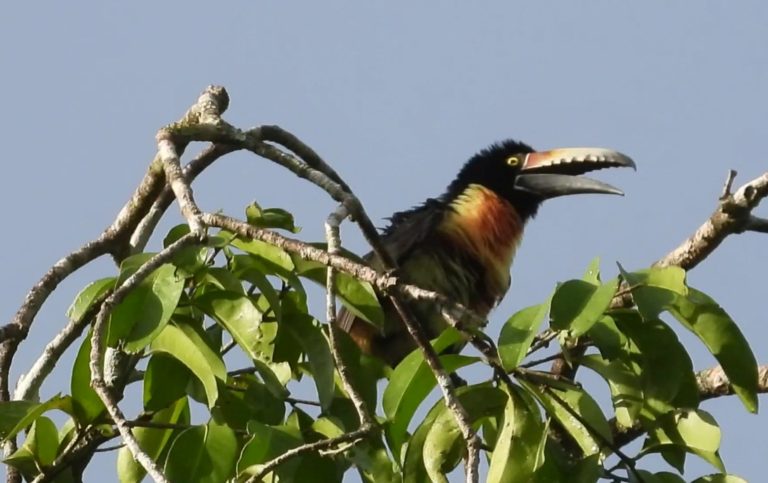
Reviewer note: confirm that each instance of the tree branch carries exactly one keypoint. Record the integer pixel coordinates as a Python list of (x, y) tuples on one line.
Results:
[(334, 245), (146, 227), (29, 384), (714, 383), (387, 284), (318, 446), (97, 351), (321, 174), (732, 215)]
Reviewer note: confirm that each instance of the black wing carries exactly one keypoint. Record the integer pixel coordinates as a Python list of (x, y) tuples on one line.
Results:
[(409, 228), (406, 230)]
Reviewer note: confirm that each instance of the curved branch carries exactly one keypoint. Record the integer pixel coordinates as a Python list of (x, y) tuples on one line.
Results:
[(146, 227)]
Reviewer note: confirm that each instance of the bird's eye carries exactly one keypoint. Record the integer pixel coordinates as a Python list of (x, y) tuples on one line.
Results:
[(513, 161)]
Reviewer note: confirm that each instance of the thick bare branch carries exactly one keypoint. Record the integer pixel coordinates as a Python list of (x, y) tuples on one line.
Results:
[(732, 215), (714, 383)]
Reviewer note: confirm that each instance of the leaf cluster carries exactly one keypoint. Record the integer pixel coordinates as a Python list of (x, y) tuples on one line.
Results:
[(226, 330)]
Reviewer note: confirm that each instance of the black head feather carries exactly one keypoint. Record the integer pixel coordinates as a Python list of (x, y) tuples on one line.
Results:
[(489, 168)]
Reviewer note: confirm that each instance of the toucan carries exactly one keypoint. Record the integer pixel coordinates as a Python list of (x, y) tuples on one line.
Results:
[(462, 243)]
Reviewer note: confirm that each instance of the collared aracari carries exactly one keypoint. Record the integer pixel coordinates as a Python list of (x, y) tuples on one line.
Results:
[(462, 243)]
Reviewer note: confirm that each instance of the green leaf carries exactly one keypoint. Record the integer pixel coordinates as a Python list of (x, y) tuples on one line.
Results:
[(422, 459), (23, 460), (189, 259), (165, 381), (204, 454), (146, 309), (245, 399), (373, 462), (15, 416), (239, 316), (221, 278), (587, 470), (662, 477), (577, 305), (43, 441), (517, 453), (270, 379), (518, 333), (592, 274), (660, 353), (556, 464), (260, 281), (129, 266), (358, 297), (443, 447), (86, 403), (277, 259), (719, 478), (270, 218), (315, 467), (11, 413), (670, 278), (411, 382), (705, 318), (266, 443), (625, 386), (655, 288), (313, 343), (589, 429), (152, 440), (188, 346), (608, 338), (241, 264), (87, 296), (694, 431)]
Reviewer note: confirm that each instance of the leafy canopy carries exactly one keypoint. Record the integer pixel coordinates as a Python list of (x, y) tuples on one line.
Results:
[(226, 327)]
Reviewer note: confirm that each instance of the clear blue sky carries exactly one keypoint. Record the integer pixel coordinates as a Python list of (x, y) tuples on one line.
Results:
[(396, 96)]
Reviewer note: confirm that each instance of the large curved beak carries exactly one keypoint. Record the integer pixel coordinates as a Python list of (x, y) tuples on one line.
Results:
[(554, 173)]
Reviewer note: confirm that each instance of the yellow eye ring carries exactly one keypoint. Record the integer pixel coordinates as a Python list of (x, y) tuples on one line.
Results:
[(513, 161)]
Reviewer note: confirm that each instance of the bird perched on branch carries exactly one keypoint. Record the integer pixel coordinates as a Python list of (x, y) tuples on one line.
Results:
[(462, 243)]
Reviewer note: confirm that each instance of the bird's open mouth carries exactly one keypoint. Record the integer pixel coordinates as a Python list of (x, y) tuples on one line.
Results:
[(556, 173)]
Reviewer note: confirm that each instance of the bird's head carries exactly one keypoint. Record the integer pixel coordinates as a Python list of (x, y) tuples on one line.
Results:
[(526, 177)]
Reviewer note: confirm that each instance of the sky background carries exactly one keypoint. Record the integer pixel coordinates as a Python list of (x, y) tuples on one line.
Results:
[(396, 95)]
